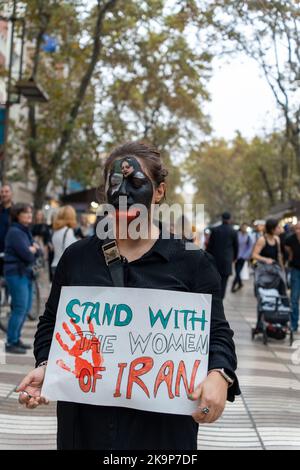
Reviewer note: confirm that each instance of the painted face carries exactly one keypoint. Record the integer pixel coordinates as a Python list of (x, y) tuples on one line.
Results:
[(127, 169), (126, 178)]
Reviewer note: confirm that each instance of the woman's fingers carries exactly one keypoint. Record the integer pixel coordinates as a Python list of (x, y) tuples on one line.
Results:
[(196, 395), (44, 401), (201, 417), (24, 397), (211, 417), (32, 403), (25, 382), (205, 402)]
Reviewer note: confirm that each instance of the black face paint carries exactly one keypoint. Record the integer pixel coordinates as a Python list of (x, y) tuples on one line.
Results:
[(126, 178)]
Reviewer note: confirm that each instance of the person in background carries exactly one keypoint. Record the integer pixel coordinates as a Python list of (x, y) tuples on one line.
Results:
[(267, 248), (41, 233), (258, 230), (20, 254), (244, 253), (63, 233), (286, 232), (292, 244), (40, 229), (85, 229), (51, 248), (223, 245), (6, 205), (206, 236)]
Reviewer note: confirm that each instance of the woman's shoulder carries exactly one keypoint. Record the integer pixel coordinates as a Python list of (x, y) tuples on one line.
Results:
[(261, 241), (14, 229), (80, 246), (191, 252)]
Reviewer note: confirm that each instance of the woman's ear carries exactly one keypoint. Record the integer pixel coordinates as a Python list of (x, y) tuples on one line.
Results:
[(159, 192)]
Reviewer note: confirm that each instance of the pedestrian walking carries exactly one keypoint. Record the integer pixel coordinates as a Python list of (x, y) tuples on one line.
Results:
[(258, 230), (40, 230), (85, 228), (223, 245), (153, 262), (268, 248), (287, 231), (6, 204), (292, 244), (42, 235), (244, 254), (63, 233), (20, 254)]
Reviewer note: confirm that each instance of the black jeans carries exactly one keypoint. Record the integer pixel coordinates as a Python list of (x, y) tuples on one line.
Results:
[(238, 268), (224, 280)]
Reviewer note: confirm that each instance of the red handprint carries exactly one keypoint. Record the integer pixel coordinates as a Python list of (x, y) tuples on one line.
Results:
[(80, 346)]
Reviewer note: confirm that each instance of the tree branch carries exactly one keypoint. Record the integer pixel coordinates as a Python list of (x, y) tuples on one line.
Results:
[(85, 81)]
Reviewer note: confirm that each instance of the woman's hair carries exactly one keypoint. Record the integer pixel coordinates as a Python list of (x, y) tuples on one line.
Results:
[(271, 225), (17, 209), (66, 217), (149, 154)]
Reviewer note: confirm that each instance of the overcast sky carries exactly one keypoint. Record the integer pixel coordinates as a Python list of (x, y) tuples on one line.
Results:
[(240, 99)]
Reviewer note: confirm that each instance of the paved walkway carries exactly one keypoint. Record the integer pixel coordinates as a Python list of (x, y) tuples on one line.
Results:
[(266, 416)]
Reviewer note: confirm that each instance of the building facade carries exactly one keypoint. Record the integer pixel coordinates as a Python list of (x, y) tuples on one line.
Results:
[(24, 189)]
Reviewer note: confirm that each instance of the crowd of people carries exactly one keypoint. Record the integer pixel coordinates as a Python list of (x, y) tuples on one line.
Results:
[(265, 242), (25, 240), (26, 237)]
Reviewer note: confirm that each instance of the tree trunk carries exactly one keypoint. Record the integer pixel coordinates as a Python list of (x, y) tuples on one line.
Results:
[(40, 192), (267, 184)]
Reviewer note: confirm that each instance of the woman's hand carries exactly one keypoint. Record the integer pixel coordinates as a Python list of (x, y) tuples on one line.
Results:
[(212, 394), (33, 249), (269, 261), (30, 388)]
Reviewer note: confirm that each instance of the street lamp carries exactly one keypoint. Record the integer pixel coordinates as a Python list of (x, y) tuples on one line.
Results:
[(31, 90), (8, 103)]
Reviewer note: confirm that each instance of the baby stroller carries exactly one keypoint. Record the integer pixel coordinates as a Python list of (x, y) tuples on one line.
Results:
[(273, 306)]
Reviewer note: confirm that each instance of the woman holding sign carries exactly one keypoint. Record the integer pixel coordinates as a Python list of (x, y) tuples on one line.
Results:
[(133, 171)]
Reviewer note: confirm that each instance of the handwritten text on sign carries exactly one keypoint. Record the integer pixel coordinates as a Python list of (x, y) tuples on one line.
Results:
[(140, 348)]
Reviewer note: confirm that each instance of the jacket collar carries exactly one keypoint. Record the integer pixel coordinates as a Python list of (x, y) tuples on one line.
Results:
[(162, 246), (22, 227)]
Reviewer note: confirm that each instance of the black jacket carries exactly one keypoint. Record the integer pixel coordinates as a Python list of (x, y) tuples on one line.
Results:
[(166, 266), (223, 246), (18, 259)]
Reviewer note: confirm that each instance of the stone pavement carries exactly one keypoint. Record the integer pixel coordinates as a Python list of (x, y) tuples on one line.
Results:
[(266, 416)]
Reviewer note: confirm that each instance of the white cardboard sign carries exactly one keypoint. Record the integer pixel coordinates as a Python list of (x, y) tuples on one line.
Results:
[(145, 349)]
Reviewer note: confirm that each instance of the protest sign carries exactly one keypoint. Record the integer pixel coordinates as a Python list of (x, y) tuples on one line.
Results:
[(129, 347)]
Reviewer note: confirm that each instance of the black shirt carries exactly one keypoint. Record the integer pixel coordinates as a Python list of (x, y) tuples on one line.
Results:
[(293, 242), (4, 225), (270, 251), (223, 245), (167, 265), (42, 230)]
